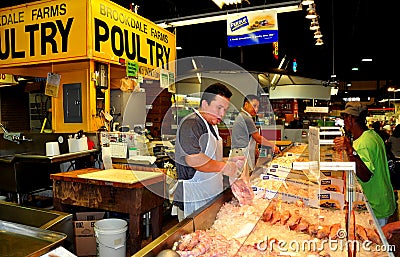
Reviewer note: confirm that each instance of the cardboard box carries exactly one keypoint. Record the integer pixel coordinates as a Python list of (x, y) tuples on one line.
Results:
[(85, 239)]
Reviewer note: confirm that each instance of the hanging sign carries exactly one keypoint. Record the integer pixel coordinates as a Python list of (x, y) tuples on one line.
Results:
[(164, 79), (132, 69), (250, 28), (57, 30), (7, 79), (52, 84)]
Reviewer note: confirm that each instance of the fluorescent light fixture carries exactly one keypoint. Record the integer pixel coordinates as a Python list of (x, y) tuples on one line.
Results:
[(351, 99), (195, 67), (354, 69), (366, 60), (223, 15), (307, 2), (279, 67), (178, 48), (383, 100), (334, 90)]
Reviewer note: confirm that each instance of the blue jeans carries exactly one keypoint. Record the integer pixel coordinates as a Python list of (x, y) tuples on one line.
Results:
[(382, 221)]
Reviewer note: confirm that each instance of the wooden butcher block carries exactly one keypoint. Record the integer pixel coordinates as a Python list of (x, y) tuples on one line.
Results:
[(121, 176)]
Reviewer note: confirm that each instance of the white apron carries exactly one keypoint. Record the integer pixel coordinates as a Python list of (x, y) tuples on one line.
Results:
[(204, 186)]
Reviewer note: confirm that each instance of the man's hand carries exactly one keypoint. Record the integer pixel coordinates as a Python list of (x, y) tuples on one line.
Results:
[(234, 166), (390, 228), (342, 144)]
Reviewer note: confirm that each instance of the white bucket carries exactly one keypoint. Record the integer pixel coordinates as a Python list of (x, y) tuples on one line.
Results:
[(52, 149), (111, 237)]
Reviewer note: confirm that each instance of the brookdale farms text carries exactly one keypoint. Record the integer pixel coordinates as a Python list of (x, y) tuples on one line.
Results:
[(47, 30)]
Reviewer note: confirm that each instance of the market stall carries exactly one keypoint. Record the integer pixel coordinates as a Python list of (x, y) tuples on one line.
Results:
[(77, 48)]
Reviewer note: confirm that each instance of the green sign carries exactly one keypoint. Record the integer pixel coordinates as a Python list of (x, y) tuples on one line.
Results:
[(132, 69)]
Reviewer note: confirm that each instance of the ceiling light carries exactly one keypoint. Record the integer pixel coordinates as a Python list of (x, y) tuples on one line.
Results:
[(311, 13), (178, 48), (366, 60), (354, 68), (221, 3), (314, 25), (319, 42), (317, 34), (307, 2)]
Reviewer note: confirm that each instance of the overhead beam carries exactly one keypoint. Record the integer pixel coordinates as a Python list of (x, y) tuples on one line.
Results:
[(282, 7)]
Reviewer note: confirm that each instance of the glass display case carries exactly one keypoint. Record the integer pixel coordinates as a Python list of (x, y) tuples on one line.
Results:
[(301, 207)]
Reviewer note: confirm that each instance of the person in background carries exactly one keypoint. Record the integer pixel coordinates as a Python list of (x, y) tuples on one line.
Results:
[(394, 142), (296, 123), (381, 132), (368, 152), (199, 153), (245, 134)]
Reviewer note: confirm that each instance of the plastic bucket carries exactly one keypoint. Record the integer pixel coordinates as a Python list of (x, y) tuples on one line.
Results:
[(111, 237)]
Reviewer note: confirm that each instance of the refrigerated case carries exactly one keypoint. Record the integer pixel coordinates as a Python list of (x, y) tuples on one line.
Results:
[(303, 197)]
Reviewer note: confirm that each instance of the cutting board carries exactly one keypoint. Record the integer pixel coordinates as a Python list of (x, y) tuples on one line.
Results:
[(122, 176)]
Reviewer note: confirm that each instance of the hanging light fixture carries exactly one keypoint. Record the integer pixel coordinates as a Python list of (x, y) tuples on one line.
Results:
[(314, 24), (221, 3), (307, 2), (311, 13), (317, 34), (319, 42)]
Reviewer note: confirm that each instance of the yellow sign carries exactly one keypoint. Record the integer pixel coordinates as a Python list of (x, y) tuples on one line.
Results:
[(43, 31), (52, 31), (7, 79), (119, 33)]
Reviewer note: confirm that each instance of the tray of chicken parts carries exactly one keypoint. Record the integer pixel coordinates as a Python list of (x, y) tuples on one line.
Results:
[(275, 225)]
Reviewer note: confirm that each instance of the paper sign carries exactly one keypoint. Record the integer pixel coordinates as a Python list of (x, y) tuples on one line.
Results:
[(52, 84)]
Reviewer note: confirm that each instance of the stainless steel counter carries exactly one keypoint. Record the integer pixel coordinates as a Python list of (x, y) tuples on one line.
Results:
[(23, 173), (39, 218), (31, 157), (21, 241)]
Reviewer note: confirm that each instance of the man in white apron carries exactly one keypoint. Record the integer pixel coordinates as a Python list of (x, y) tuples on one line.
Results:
[(245, 134), (198, 153)]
